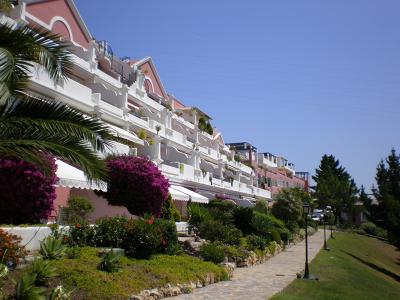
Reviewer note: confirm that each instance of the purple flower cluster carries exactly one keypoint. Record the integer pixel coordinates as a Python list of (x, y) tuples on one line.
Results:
[(137, 184), (26, 194)]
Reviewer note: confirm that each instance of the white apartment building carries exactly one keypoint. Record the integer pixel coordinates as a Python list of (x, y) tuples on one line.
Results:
[(129, 96)]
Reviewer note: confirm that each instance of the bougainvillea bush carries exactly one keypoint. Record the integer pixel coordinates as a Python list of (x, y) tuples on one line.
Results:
[(26, 193), (137, 184)]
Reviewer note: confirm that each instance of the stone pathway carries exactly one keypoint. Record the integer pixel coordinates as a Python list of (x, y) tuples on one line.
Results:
[(261, 281)]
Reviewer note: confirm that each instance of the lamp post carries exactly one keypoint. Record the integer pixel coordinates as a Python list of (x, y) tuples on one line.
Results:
[(306, 211), (325, 219)]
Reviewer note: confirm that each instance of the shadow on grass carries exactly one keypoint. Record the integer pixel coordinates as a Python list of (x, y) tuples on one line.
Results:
[(375, 267)]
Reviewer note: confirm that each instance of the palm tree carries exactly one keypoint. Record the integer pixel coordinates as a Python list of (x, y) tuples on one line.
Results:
[(30, 125)]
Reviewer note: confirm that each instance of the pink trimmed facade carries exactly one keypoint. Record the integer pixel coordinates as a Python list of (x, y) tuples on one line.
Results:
[(129, 96)]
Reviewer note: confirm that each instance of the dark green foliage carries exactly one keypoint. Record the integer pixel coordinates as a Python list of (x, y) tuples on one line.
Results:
[(387, 213), (212, 252), (255, 242), (169, 210), (263, 224), (174, 249), (285, 234), (142, 240), (221, 210), (110, 232), (216, 231), (51, 248), (110, 262), (198, 214), (204, 125), (25, 288), (169, 235), (293, 226), (242, 217), (78, 210), (261, 206), (336, 188), (372, 229), (43, 270), (275, 235), (288, 204), (81, 235), (73, 252)]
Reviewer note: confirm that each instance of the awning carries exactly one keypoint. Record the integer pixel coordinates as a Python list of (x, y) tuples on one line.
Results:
[(125, 134), (72, 177), (244, 202), (184, 194)]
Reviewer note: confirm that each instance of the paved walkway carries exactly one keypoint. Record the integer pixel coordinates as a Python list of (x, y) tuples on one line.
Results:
[(261, 281)]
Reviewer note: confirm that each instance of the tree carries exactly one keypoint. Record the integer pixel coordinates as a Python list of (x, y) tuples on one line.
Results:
[(388, 195), (335, 187), (30, 125), (288, 204), (169, 210), (137, 184)]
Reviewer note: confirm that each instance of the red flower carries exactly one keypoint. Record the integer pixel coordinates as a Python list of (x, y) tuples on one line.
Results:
[(150, 221), (65, 238), (78, 225)]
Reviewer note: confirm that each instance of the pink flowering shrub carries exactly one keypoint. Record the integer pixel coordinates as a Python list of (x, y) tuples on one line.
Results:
[(137, 184), (26, 194)]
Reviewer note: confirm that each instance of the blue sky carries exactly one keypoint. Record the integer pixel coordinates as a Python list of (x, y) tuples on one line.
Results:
[(296, 78)]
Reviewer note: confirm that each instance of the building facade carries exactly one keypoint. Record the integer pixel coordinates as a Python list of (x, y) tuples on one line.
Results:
[(129, 95)]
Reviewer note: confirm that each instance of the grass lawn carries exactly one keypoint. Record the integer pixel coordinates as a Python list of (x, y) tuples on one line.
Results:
[(356, 268), (82, 275)]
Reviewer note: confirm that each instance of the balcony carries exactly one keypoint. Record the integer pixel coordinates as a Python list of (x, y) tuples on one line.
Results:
[(183, 121), (266, 162), (139, 120), (69, 91)]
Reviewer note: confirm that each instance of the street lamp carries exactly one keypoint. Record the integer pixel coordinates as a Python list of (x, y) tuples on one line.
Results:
[(325, 220), (307, 211), (330, 211)]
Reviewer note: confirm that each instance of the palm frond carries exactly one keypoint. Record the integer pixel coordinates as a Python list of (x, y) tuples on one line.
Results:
[(21, 47), (29, 146), (53, 116)]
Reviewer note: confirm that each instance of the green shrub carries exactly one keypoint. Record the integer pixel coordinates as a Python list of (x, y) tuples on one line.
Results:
[(78, 210), (285, 234), (110, 232), (212, 252), (263, 224), (221, 210), (174, 249), (256, 242), (293, 226), (25, 288), (272, 247), (42, 269), (51, 248), (242, 217), (198, 214), (142, 238), (73, 252), (215, 231), (275, 236), (261, 206), (81, 235), (169, 235), (169, 210), (110, 262)]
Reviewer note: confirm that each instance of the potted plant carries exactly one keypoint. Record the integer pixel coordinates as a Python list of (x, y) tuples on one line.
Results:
[(158, 129)]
